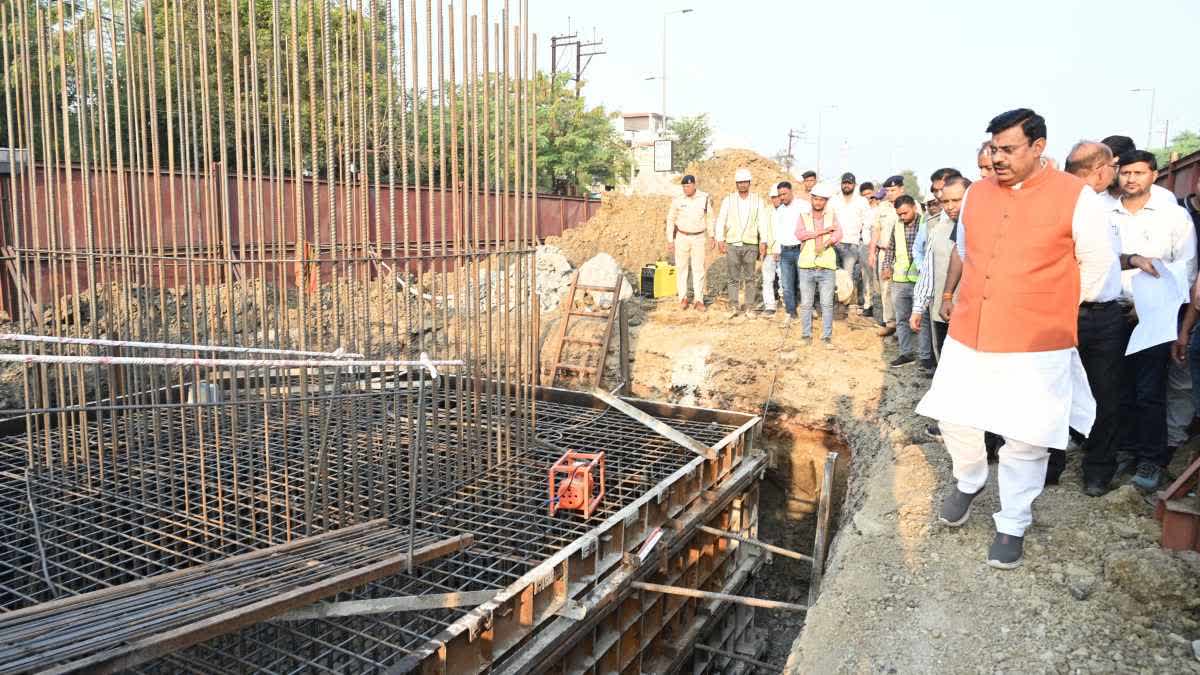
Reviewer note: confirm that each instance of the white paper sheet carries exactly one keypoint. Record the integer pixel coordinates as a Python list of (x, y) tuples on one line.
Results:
[(1157, 302)]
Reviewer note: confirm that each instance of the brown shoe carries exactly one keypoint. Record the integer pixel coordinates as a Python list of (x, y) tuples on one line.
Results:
[(698, 305), (683, 304), (887, 330)]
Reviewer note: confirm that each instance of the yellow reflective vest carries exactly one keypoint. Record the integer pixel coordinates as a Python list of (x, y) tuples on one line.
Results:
[(905, 268), (809, 258)]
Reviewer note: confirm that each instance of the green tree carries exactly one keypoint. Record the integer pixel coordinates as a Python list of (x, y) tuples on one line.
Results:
[(574, 143), (1183, 144), (692, 136), (912, 187)]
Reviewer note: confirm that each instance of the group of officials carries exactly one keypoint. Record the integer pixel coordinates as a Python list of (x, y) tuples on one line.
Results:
[(1015, 292)]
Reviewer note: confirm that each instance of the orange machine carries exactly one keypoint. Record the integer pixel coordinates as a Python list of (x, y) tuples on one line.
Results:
[(577, 482)]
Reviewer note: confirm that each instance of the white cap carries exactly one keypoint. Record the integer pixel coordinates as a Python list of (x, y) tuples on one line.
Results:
[(824, 190), (774, 191), (741, 175)]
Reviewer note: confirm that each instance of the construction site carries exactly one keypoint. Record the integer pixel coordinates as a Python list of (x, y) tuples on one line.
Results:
[(300, 371)]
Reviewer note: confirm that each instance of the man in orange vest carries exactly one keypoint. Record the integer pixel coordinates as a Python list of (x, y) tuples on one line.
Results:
[(1030, 238)]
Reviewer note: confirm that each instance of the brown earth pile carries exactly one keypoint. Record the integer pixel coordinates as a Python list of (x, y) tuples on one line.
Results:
[(715, 175), (631, 228)]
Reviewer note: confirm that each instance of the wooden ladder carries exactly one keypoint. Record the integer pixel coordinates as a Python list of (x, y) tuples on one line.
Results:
[(585, 370)]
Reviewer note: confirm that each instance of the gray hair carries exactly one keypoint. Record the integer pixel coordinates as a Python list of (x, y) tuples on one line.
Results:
[(1087, 155)]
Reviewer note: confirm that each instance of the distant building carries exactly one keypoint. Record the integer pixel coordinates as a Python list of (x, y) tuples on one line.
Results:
[(641, 130)]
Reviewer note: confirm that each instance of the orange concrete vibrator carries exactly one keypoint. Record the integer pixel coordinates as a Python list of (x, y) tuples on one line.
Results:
[(577, 482)]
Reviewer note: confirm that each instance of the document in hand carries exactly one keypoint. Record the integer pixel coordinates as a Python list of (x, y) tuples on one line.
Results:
[(1157, 303)]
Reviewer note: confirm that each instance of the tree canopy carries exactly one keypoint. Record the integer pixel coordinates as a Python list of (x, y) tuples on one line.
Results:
[(693, 136)]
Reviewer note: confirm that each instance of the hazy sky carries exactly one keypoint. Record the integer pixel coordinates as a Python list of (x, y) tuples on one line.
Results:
[(914, 82)]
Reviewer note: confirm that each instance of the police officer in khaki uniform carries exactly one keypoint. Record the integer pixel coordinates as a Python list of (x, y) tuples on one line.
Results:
[(689, 225)]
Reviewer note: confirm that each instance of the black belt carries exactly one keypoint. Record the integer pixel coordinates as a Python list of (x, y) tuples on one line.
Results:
[(1097, 305), (784, 247)]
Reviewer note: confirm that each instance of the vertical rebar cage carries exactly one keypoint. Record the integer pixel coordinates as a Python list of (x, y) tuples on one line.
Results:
[(235, 229)]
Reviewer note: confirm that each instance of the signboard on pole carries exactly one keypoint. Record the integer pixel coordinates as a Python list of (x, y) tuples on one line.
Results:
[(663, 155)]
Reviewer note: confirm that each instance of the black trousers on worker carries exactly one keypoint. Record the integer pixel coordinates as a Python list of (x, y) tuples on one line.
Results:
[(1144, 398), (1103, 334)]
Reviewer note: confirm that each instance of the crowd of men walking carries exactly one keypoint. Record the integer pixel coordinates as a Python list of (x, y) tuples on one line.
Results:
[(1015, 293)]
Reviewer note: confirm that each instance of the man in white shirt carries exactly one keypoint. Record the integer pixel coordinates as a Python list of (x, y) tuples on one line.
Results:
[(787, 244), (851, 212), (1103, 334), (1150, 228)]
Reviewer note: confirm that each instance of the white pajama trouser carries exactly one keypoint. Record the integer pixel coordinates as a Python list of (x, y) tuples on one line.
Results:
[(689, 255), (768, 281), (1021, 473)]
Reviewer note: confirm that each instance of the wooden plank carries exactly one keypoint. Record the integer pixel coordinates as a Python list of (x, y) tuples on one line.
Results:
[(147, 649), (821, 546), (608, 328), (583, 341), (623, 348), (404, 603), (723, 597), (659, 427), (566, 307)]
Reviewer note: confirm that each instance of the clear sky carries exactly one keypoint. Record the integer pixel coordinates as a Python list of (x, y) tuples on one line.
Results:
[(915, 82)]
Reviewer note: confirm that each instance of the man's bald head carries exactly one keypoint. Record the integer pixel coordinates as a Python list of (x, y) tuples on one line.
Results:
[(1092, 162)]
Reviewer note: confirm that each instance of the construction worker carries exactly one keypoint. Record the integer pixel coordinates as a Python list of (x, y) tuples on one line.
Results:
[(1010, 363), (880, 255), (851, 210), (872, 303), (742, 223), (818, 233), (770, 256), (906, 269), (807, 180), (689, 224)]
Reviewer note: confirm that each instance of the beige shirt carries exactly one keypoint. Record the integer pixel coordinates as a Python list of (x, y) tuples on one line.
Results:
[(690, 215)]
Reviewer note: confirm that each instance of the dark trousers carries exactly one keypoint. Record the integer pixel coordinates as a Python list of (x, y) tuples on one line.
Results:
[(1103, 334), (1144, 398)]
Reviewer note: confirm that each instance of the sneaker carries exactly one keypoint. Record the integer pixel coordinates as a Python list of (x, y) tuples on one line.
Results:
[(956, 507), (699, 305), (868, 312), (934, 431), (683, 304), (1126, 463), (886, 330), (902, 360), (929, 363), (1148, 477), (828, 343), (768, 311), (1006, 551)]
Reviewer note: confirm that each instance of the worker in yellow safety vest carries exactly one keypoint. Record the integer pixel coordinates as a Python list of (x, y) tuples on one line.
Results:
[(818, 231), (906, 270)]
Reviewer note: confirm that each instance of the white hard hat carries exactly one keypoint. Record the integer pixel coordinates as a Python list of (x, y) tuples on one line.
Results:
[(774, 191), (824, 190), (741, 175)]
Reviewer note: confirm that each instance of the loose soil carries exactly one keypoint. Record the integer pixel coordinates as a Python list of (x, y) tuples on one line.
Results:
[(901, 593)]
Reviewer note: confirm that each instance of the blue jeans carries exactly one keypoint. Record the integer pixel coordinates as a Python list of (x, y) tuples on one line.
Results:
[(902, 301), (848, 260), (787, 277), (812, 280)]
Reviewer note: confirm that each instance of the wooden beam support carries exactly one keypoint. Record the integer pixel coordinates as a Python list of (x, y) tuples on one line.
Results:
[(723, 597), (754, 542), (659, 427), (402, 603)]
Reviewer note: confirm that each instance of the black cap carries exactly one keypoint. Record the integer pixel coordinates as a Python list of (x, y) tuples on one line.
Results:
[(687, 179), (894, 181), (849, 178)]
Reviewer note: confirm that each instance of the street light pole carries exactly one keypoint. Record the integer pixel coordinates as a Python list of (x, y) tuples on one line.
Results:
[(663, 74), (1150, 127)]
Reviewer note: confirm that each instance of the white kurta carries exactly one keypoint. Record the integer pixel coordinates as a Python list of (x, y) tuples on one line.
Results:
[(1034, 397)]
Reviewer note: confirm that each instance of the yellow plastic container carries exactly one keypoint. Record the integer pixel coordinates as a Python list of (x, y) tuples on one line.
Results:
[(659, 280)]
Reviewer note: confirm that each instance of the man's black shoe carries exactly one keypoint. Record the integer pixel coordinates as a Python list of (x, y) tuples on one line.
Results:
[(902, 360), (956, 507), (1006, 551), (928, 364), (1097, 488)]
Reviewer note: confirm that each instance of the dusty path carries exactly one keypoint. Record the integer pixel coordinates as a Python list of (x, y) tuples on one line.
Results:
[(903, 594)]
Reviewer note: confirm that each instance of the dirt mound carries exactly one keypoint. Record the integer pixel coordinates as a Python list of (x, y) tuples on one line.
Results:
[(715, 175), (630, 228)]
